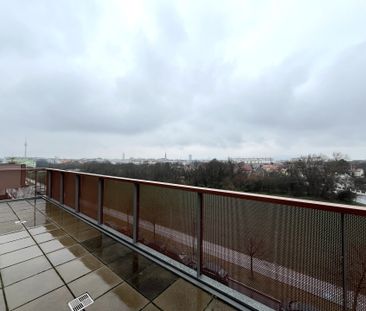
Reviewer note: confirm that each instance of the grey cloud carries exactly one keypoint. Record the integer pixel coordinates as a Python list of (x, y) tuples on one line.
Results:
[(33, 29), (175, 89)]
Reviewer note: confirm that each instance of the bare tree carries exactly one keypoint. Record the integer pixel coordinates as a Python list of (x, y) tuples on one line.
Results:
[(255, 247), (337, 156)]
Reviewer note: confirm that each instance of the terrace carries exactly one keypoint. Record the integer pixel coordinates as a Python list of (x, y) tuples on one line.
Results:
[(138, 244), (53, 257)]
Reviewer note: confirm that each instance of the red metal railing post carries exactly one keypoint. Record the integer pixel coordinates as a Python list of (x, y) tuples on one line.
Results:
[(344, 261), (77, 193), (136, 208), (199, 234), (35, 182)]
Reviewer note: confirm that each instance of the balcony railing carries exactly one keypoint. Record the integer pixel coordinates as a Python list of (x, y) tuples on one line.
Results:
[(285, 253), (17, 181)]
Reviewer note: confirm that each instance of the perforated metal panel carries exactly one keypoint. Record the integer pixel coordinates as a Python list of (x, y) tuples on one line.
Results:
[(276, 254), (69, 189), (118, 206), (89, 196), (41, 182), (355, 261), (55, 185), (167, 222)]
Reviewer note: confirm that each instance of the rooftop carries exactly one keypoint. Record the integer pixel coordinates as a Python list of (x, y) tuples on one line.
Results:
[(175, 247), (48, 257)]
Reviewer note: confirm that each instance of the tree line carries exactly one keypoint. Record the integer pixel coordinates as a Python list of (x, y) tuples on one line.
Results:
[(308, 177)]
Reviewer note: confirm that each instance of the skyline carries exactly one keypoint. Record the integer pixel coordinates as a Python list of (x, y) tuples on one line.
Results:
[(189, 157), (249, 78)]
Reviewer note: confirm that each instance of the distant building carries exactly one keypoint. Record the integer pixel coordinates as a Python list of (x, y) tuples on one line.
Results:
[(247, 168), (27, 161), (358, 173), (269, 168), (252, 160), (11, 176)]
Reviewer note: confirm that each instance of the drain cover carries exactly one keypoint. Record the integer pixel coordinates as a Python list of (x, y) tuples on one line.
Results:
[(80, 302)]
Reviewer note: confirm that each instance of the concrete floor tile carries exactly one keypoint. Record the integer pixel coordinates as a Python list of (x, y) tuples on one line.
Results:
[(2, 302), (56, 300), (15, 245), (24, 269), (54, 245), (47, 236), (86, 235), (78, 267), (19, 256), (32, 222), (5, 238), (152, 281), (6, 217), (121, 298), (95, 283), (26, 290), (77, 227), (66, 254), (98, 242), (182, 296), (111, 252), (10, 227), (43, 229), (130, 265)]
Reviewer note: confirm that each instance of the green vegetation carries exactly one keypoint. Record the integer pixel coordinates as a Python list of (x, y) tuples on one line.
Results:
[(312, 177)]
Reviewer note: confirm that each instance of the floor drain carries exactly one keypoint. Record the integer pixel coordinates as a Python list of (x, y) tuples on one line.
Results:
[(80, 302)]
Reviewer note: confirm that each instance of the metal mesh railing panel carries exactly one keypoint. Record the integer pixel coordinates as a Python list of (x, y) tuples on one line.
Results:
[(355, 261), (279, 255), (167, 222), (30, 179), (89, 196), (41, 182), (55, 185), (118, 206), (69, 189)]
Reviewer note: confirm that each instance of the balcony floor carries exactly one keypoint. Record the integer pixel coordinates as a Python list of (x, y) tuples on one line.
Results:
[(54, 257)]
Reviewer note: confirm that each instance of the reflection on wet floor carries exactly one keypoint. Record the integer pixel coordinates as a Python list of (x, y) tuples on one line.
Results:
[(53, 257), (130, 265)]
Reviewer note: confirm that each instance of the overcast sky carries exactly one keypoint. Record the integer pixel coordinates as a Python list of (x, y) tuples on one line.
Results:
[(207, 78)]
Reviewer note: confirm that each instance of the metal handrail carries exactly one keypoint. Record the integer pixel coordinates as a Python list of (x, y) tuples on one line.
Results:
[(318, 205)]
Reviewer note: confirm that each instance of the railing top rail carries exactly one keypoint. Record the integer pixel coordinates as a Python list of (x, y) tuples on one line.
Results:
[(22, 169), (324, 206)]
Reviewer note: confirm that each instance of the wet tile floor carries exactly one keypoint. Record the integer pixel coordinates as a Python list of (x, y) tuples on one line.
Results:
[(54, 257)]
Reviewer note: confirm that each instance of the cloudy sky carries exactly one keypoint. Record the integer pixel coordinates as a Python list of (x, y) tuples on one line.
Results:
[(208, 78)]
